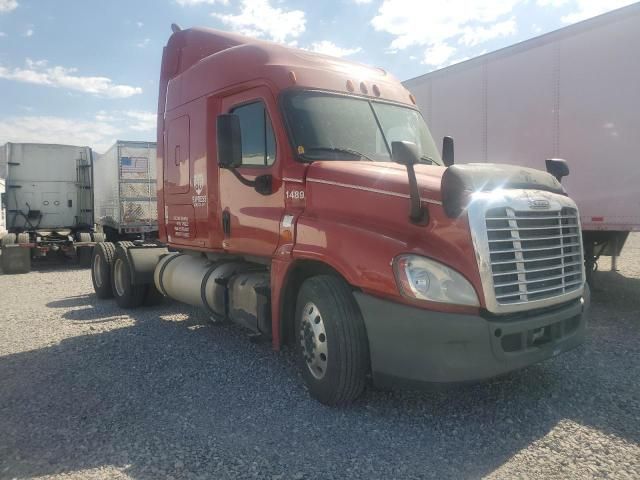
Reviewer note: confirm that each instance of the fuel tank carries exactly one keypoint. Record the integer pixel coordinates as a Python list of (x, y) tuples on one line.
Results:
[(228, 289)]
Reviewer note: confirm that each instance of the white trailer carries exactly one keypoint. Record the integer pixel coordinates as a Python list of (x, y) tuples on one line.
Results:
[(48, 203), (125, 191), (573, 94), (3, 215)]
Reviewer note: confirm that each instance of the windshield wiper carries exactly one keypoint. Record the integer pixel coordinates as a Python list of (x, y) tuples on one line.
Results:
[(348, 151)]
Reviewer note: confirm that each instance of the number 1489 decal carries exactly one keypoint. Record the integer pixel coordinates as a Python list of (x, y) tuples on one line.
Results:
[(295, 194)]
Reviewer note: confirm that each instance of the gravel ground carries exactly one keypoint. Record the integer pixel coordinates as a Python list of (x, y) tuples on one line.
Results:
[(89, 391)]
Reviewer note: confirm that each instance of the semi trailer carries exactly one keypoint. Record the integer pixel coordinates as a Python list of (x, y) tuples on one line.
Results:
[(48, 204), (125, 191), (303, 197), (3, 218), (572, 93)]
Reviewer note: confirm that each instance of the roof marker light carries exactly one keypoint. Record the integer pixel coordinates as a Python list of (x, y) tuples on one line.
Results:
[(292, 77), (363, 88), (376, 90), (412, 98), (350, 86)]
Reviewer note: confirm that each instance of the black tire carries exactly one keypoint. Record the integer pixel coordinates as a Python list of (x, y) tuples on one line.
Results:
[(84, 237), (339, 378), (99, 237), (23, 238), (8, 239), (127, 294), (84, 255), (101, 264)]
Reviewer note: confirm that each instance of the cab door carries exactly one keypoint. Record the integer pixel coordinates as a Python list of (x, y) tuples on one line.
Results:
[(251, 220)]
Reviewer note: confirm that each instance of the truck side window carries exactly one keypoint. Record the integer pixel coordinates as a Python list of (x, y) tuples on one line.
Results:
[(258, 141)]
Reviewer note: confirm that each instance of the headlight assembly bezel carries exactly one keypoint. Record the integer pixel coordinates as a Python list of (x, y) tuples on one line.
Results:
[(421, 278)]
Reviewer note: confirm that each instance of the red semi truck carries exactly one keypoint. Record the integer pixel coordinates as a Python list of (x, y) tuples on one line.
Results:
[(303, 197)]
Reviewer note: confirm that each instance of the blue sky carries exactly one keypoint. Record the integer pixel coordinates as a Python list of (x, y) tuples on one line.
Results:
[(86, 71)]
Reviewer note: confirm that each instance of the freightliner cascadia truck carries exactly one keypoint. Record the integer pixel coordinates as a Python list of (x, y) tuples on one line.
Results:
[(303, 197)]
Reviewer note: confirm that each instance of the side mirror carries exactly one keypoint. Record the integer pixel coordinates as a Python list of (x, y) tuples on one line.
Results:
[(557, 167), (447, 151), (229, 141), (405, 153)]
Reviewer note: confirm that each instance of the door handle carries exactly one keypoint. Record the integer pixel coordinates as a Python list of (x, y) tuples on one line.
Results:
[(226, 223)]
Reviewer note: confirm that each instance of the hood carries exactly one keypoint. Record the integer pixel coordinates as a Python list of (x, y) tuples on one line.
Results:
[(381, 177)]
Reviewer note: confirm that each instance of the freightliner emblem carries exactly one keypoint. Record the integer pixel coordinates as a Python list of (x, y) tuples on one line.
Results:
[(538, 203)]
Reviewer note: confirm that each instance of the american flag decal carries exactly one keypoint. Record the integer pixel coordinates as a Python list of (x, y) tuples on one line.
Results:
[(134, 164)]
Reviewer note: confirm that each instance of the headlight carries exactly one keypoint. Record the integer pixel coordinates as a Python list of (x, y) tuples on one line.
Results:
[(425, 279)]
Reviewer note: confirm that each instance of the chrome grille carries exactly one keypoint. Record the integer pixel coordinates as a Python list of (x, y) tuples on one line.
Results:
[(534, 255)]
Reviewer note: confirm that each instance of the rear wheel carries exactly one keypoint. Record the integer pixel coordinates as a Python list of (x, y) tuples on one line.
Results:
[(23, 238), (99, 237), (332, 342), (84, 237), (8, 239), (127, 294), (102, 261)]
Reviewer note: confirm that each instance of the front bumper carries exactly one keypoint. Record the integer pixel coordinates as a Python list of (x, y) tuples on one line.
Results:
[(409, 344)]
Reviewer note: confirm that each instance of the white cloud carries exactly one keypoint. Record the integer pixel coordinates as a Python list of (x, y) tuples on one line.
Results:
[(189, 3), (28, 33), (362, 2), (38, 73), (415, 22), (99, 133), (591, 8), (257, 18), (144, 43), (141, 121), (139, 24), (2, 34), (438, 54), (475, 35), (552, 3), (50, 129), (136, 120), (8, 5), (329, 48)]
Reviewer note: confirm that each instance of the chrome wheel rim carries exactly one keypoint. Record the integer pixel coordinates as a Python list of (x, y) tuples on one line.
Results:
[(118, 276), (97, 270), (313, 339)]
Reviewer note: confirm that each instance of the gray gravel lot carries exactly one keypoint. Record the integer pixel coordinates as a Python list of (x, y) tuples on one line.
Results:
[(90, 391)]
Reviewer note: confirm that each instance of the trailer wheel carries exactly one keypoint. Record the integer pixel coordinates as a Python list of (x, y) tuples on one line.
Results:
[(333, 350), (23, 238), (101, 263), (127, 294), (84, 237), (8, 239), (84, 256)]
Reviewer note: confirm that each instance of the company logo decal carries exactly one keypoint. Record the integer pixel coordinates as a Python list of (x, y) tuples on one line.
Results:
[(198, 199)]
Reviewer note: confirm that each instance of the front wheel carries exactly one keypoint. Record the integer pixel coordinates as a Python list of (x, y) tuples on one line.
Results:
[(333, 349)]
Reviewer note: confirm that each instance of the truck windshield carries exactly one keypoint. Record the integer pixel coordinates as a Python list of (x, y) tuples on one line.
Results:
[(326, 126)]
